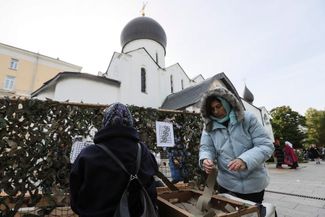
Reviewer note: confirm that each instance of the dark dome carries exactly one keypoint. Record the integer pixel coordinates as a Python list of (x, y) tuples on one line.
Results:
[(248, 96), (143, 28)]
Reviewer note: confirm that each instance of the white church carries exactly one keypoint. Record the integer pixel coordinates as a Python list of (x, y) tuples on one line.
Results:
[(138, 76)]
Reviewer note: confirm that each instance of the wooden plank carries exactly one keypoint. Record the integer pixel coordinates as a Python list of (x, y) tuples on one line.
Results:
[(229, 207), (167, 209)]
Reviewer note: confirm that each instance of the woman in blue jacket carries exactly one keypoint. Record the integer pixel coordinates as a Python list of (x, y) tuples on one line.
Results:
[(237, 143)]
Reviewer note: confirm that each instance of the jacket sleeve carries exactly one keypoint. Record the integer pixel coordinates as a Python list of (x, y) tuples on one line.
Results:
[(76, 175), (262, 145), (207, 149)]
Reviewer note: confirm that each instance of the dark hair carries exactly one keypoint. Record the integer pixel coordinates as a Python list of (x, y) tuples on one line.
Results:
[(208, 102)]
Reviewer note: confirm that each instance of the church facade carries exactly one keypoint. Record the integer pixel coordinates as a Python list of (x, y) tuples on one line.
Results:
[(138, 76)]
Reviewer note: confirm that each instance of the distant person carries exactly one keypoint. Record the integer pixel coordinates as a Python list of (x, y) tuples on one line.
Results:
[(177, 164), (290, 157), (237, 143), (278, 154), (314, 153), (97, 182)]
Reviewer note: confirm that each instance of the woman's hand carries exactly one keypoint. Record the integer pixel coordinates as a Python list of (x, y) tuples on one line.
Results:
[(236, 165), (208, 166)]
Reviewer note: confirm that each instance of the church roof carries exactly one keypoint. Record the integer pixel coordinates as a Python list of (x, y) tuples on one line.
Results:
[(65, 75), (248, 96), (193, 94), (143, 28)]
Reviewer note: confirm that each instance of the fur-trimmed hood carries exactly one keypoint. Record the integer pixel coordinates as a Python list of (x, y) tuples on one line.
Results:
[(229, 97)]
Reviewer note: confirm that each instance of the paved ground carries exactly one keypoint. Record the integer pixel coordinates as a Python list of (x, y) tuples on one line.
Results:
[(308, 181)]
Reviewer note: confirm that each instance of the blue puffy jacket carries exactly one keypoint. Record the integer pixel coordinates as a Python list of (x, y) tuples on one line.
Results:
[(243, 138)]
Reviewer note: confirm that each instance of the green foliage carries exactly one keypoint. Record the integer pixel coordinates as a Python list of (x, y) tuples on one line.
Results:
[(288, 125), (315, 121), (37, 138)]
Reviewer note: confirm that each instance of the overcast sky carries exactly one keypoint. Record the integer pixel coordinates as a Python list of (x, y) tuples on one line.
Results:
[(276, 48)]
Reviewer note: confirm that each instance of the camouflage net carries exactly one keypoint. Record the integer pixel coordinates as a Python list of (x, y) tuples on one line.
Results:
[(36, 143)]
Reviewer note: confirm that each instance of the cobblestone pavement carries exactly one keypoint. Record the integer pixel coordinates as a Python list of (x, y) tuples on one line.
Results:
[(297, 192)]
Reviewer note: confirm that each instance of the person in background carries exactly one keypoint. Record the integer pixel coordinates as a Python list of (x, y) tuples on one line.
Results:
[(314, 153), (177, 161), (290, 157), (237, 143), (278, 154), (97, 182)]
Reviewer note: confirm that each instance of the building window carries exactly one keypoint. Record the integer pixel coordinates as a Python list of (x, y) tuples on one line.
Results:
[(13, 64), (182, 84), (9, 83), (157, 58), (171, 84), (143, 80)]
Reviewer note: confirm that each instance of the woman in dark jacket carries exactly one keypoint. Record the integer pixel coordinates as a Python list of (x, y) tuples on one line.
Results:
[(278, 153), (314, 153), (97, 182)]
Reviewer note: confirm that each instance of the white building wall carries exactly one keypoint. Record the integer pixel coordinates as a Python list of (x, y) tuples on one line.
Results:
[(127, 69), (178, 75), (156, 51), (262, 117), (254, 110), (113, 70), (267, 121), (198, 79), (46, 94), (86, 90)]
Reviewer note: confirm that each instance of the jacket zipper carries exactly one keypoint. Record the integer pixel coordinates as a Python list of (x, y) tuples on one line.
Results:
[(233, 152)]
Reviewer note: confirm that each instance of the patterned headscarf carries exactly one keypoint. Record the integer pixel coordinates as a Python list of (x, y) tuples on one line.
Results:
[(117, 115)]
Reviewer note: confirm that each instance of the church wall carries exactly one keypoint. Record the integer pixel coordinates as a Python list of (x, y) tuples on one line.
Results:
[(86, 90), (262, 117), (254, 110), (198, 79), (151, 47), (178, 75), (267, 121), (129, 68), (113, 70)]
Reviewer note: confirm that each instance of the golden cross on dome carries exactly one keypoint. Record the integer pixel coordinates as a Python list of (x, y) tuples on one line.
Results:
[(143, 7)]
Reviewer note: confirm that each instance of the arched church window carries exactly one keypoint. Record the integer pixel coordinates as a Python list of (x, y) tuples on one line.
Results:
[(182, 84), (143, 80), (171, 84)]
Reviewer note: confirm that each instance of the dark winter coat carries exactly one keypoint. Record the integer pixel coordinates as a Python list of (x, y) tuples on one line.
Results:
[(97, 182), (314, 153), (278, 153)]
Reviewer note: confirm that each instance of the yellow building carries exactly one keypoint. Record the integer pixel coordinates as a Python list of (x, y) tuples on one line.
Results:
[(22, 71)]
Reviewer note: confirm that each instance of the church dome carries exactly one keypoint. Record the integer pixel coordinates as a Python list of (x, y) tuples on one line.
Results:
[(248, 96), (143, 28)]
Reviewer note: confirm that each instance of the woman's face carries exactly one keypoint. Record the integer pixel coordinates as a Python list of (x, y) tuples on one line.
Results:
[(217, 109)]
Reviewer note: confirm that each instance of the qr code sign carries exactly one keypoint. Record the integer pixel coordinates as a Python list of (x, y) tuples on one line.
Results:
[(165, 134)]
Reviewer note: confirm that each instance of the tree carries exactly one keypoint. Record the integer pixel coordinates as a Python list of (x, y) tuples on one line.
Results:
[(315, 121), (288, 124)]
